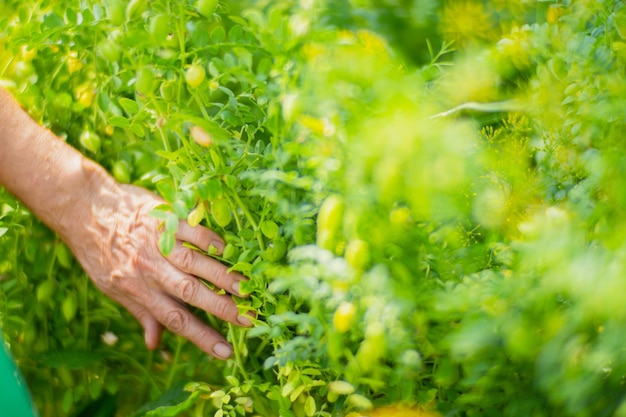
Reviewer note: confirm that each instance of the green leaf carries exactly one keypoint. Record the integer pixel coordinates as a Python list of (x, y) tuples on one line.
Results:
[(232, 380), (130, 106), (244, 55), (68, 400), (71, 16), (247, 287), (104, 102), (213, 69), (310, 407), (311, 371), (167, 241), (160, 212), (210, 189), (239, 19), (227, 91), (171, 222), (217, 394), (359, 401), (290, 178), (98, 12), (288, 388), (138, 130), (170, 404), (119, 121), (62, 253), (269, 364), (5, 210), (258, 331), (218, 133), (243, 267), (341, 387), (296, 393), (52, 21), (235, 33), (181, 209), (269, 229), (255, 17), (172, 156), (263, 69), (166, 189), (218, 34)]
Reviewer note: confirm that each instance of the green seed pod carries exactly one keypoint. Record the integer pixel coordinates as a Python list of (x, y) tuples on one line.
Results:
[(69, 307), (206, 7), (45, 290), (220, 210)]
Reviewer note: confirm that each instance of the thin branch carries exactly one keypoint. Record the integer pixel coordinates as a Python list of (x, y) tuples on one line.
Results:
[(498, 106)]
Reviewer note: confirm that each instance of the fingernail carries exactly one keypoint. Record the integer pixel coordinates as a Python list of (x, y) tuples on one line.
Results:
[(235, 288), (244, 321), (219, 245), (222, 350)]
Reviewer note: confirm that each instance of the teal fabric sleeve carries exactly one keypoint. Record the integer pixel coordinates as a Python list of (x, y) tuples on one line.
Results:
[(15, 400)]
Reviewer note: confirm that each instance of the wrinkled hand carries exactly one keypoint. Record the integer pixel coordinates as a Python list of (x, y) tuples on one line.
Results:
[(119, 250), (110, 231)]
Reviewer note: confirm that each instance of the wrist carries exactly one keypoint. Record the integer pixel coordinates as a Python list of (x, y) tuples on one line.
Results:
[(84, 194)]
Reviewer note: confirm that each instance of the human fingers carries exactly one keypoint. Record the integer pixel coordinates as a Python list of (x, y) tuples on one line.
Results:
[(191, 290), (196, 263), (200, 236), (175, 317), (153, 329)]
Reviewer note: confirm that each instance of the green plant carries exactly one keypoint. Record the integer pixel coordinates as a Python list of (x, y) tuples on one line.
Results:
[(435, 223)]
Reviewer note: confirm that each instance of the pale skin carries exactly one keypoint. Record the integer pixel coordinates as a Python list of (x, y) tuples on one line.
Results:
[(108, 227)]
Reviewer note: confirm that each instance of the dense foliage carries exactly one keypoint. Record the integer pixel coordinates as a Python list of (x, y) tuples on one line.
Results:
[(428, 198)]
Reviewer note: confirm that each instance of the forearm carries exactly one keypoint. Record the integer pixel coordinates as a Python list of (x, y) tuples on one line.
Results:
[(110, 231), (50, 177)]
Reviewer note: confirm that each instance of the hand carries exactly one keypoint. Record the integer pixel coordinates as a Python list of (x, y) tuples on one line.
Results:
[(110, 231), (118, 248)]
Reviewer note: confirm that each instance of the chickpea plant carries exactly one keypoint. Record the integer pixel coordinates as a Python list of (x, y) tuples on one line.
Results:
[(427, 198)]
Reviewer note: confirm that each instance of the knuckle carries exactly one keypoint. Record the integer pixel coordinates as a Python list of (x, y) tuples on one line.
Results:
[(187, 289), (197, 232), (117, 283), (176, 320), (138, 264), (184, 258), (219, 276), (201, 236), (224, 308)]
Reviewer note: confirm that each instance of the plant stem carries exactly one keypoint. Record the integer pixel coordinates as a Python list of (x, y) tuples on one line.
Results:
[(173, 368), (201, 105), (245, 210), (166, 145), (133, 361), (85, 308), (237, 220), (237, 350)]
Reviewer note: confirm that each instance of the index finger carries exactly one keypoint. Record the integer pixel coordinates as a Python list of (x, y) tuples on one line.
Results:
[(195, 263), (200, 236)]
